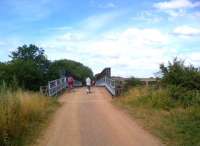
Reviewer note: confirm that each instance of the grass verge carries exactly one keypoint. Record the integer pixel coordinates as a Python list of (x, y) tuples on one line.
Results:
[(22, 116), (173, 123)]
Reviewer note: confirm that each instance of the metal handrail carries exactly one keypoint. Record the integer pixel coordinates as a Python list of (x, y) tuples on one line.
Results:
[(56, 86), (109, 83)]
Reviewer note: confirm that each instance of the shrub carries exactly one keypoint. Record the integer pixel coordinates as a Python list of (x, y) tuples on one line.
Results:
[(177, 74), (183, 82), (131, 82), (184, 96), (148, 96)]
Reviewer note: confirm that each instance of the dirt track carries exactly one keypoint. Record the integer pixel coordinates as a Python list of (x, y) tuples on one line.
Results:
[(91, 120)]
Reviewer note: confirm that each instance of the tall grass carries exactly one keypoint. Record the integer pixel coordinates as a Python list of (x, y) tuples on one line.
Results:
[(169, 119), (21, 115)]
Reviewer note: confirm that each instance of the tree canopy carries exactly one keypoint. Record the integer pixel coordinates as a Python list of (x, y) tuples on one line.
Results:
[(69, 68), (178, 74), (31, 69)]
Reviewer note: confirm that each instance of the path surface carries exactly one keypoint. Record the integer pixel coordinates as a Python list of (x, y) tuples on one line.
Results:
[(91, 120)]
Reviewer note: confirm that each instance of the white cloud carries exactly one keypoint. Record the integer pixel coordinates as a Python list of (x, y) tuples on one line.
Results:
[(191, 58), (186, 31), (194, 58), (177, 8), (130, 50), (176, 4)]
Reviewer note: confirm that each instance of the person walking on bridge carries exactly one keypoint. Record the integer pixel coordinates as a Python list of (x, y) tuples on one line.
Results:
[(70, 82), (88, 84)]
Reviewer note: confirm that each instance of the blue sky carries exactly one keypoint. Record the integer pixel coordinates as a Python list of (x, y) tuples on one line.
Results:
[(133, 37)]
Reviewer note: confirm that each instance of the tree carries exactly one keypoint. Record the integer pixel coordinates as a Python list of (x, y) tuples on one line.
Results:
[(28, 66), (31, 68), (33, 53), (28, 74), (30, 52), (176, 73), (68, 67)]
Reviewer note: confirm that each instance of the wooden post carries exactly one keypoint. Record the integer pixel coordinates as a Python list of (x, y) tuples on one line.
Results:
[(49, 89), (147, 83)]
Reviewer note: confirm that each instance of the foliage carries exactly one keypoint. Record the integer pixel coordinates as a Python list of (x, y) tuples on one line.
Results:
[(171, 111), (164, 116), (68, 67), (182, 81), (131, 82), (31, 69), (21, 115), (176, 73)]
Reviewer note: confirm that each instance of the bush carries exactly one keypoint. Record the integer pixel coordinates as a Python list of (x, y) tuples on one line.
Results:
[(186, 126), (177, 74), (131, 82), (165, 116), (183, 82), (148, 96), (185, 96)]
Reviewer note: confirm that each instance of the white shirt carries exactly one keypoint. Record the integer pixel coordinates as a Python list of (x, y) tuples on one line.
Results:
[(88, 81)]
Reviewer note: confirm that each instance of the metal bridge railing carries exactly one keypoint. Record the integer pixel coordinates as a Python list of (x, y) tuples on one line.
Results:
[(56, 86), (109, 83)]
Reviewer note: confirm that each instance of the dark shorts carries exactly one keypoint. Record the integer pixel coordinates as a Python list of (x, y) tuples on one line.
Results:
[(88, 87)]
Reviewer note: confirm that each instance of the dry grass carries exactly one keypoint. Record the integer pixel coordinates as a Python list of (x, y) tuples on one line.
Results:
[(22, 115), (162, 116)]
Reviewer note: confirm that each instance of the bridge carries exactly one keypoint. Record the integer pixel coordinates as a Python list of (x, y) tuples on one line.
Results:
[(104, 79)]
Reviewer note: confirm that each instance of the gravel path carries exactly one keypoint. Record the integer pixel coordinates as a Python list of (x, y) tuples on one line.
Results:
[(91, 120)]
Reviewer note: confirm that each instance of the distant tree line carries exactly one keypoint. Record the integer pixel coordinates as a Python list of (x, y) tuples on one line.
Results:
[(29, 68)]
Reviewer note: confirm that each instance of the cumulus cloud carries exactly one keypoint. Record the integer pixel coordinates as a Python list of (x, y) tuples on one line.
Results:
[(129, 50), (194, 58), (186, 31), (177, 8), (176, 4), (191, 58)]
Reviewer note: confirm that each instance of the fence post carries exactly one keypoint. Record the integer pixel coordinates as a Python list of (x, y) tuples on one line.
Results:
[(49, 89)]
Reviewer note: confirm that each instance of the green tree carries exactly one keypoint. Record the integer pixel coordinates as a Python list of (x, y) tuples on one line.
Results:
[(28, 66), (176, 73), (183, 81), (31, 68), (68, 67), (33, 53)]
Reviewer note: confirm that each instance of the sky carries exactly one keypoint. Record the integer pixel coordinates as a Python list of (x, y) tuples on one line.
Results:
[(130, 36)]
